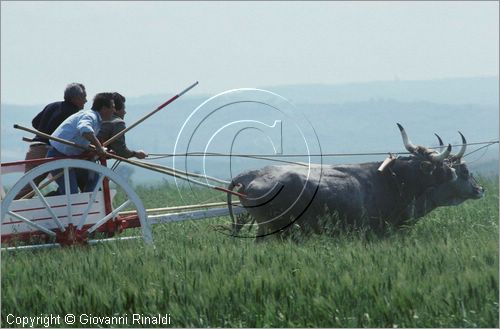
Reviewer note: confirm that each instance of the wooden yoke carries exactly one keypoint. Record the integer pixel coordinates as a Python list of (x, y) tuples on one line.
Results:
[(389, 160)]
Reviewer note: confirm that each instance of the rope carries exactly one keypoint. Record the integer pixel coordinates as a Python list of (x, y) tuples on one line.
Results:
[(271, 156), (482, 147), (485, 147)]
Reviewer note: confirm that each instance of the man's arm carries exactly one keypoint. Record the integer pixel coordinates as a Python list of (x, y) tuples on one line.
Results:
[(38, 119), (119, 145), (86, 127), (140, 154), (92, 139)]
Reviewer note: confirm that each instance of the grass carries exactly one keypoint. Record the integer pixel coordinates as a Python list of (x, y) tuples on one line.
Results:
[(442, 272)]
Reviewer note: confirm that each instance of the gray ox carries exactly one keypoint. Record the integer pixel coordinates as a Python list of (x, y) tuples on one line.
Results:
[(277, 197)]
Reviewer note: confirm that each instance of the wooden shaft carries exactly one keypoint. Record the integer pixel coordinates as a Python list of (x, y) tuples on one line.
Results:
[(170, 172), (30, 194), (118, 135), (177, 208), (57, 139), (176, 173), (187, 173), (91, 148)]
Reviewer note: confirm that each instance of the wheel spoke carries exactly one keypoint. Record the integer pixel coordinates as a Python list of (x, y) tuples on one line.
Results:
[(67, 189), (47, 205), (30, 223), (108, 216), (83, 219)]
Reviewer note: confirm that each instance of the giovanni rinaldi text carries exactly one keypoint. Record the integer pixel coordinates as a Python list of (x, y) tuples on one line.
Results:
[(87, 319)]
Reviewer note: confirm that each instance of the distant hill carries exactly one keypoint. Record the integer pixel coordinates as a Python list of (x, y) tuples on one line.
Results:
[(481, 90), (353, 118), (476, 90)]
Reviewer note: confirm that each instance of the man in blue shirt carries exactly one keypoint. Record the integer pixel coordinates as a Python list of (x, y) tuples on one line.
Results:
[(81, 128), (47, 121)]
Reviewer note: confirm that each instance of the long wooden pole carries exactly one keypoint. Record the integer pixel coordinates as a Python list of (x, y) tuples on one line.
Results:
[(185, 172), (118, 135), (30, 194), (169, 171), (178, 208)]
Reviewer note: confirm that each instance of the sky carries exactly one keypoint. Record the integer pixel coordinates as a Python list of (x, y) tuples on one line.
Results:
[(143, 48)]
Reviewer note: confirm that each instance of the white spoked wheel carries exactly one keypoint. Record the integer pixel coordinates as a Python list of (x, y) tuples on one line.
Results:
[(69, 218)]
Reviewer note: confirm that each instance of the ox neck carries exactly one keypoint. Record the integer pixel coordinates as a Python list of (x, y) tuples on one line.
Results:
[(409, 190)]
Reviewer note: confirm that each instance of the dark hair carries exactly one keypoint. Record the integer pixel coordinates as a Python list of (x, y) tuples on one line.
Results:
[(119, 101), (101, 100), (73, 90)]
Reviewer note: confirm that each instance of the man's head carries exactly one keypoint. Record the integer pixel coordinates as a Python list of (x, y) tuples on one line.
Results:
[(119, 105), (75, 93), (105, 105)]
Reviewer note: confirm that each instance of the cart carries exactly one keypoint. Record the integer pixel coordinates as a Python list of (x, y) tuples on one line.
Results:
[(82, 218)]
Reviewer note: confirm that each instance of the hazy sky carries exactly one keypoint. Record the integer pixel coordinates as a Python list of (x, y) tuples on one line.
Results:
[(142, 48)]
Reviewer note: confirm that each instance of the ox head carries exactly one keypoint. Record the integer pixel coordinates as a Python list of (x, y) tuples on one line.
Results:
[(463, 188), (425, 167)]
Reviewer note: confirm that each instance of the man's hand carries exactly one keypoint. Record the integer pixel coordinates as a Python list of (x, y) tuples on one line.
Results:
[(101, 151), (140, 154)]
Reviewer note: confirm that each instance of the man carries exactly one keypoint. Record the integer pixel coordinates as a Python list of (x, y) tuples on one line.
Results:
[(81, 128), (113, 127), (47, 121)]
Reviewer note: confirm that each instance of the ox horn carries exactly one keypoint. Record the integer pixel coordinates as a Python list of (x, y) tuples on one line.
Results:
[(439, 157), (461, 153), (434, 157), (408, 144), (441, 144)]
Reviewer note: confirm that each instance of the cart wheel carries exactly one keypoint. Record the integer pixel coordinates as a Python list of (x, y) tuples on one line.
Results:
[(69, 218)]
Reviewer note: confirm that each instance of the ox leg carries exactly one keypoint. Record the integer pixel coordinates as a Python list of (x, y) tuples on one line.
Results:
[(295, 232), (261, 234), (241, 221)]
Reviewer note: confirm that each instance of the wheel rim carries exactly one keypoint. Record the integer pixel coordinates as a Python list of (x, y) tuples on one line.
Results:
[(83, 221)]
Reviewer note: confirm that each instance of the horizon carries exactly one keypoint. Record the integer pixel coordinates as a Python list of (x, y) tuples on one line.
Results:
[(195, 94)]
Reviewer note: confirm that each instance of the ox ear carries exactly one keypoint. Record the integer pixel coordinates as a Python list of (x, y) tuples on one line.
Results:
[(427, 167)]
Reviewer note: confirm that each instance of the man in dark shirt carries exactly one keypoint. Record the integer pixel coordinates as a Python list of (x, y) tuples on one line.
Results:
[(114, 126), (47, 121), (54, 114)]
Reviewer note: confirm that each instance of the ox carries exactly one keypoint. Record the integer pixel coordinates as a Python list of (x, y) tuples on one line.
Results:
[(361, 195)]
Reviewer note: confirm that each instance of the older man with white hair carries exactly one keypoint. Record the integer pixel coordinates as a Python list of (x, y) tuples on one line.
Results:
[(47, 121)]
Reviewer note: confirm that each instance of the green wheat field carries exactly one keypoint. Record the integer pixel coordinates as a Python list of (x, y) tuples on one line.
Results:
[(441, 272)]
